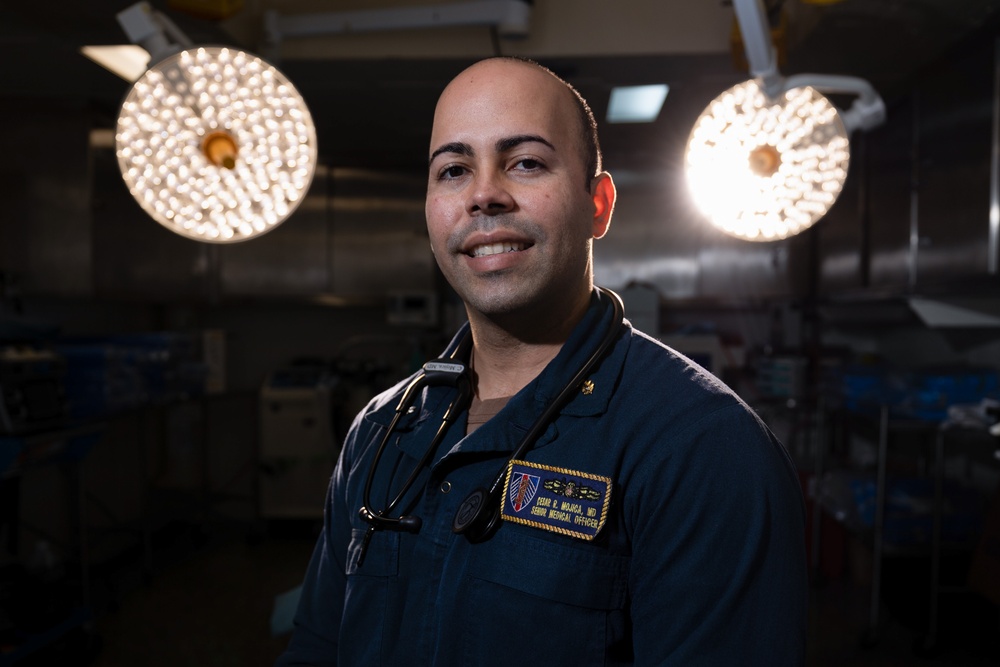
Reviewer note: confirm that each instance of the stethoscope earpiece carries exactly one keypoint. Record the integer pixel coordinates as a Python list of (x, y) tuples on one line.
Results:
[(410, 524)]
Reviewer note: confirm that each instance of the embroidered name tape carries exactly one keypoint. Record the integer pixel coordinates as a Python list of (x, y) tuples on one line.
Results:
[(556, 499)]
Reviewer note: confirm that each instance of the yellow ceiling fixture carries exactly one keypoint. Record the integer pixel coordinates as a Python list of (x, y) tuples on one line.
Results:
[(768, 157), (214, 143)]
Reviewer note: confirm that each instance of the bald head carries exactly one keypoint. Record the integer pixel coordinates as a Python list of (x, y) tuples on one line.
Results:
[(536, 78)]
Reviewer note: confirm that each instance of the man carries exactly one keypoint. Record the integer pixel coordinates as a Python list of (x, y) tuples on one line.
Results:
[(652, 519)]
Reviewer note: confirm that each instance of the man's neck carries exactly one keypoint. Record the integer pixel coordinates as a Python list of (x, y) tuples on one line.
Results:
[(505, 359), (503, 368)]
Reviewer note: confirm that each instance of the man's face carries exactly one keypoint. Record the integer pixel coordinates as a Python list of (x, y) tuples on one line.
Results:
[(509, 219)]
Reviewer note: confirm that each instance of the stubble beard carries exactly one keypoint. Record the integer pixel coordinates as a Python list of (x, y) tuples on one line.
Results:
[(496, 293)]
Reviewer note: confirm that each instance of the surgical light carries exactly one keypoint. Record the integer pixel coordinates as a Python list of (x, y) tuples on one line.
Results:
[(767, 158), (215, 144), (763, 169)]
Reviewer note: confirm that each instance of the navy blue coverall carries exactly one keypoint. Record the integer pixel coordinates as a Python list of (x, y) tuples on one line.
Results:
[(701, 560)]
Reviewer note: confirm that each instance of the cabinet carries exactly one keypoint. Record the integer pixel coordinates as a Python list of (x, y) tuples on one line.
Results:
[(297, 445)]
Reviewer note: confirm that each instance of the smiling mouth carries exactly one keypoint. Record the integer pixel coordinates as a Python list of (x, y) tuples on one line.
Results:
[(496, 249)]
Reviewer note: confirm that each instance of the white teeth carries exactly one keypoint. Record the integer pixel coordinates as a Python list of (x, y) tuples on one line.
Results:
[(496, 249)]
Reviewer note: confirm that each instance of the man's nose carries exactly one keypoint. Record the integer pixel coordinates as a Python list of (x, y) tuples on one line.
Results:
[(489, 194)]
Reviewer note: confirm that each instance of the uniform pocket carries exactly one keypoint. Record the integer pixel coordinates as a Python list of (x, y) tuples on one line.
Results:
[(367, 596), (560, 603), (583, 577)]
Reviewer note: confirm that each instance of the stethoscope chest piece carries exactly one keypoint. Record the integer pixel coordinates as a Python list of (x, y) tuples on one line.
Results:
[(477, 517)]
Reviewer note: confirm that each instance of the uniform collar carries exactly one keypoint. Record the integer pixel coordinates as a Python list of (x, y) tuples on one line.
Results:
[(593, 398), (505, 431)]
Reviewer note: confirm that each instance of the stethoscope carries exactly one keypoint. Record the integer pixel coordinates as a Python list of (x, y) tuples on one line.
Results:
[(479, 514)]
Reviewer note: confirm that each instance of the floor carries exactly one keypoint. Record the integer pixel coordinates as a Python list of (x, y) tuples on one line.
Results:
[(209, 602)]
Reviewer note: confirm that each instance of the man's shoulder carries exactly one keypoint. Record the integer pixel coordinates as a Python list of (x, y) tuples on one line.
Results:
[(673, 387), (681, 402), (662, 363)]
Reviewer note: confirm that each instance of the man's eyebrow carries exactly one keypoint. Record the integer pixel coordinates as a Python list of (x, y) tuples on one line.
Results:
[(508, 143), (502, 145), (457, 147)]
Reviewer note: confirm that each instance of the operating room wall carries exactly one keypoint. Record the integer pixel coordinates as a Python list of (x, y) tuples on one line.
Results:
[(914, 220), (45, 236), (915, 215)]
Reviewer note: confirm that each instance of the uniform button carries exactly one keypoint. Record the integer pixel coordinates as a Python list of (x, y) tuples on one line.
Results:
[(445, 486), (410, 410)]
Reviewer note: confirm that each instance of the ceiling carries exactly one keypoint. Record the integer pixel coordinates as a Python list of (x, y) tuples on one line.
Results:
[(376, 112)]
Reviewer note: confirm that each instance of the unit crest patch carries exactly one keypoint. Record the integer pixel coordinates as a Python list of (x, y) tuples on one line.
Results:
[(556, 499)]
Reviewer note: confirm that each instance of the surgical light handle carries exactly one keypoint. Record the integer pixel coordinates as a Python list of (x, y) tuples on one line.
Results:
[(867, 111), (150, 29)]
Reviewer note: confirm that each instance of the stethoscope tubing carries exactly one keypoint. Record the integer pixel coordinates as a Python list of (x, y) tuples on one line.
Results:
[(479, 514), (457, 374), (481, 507), (571, 387)]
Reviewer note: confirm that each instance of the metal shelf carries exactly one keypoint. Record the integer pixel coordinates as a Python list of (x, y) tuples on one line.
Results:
[(936, 434)]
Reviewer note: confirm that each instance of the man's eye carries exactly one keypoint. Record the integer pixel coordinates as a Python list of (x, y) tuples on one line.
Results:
[(452, 172), (528, 164)]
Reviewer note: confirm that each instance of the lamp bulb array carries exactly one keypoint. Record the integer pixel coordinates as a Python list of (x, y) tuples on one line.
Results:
[(216, 144), (764, 169)]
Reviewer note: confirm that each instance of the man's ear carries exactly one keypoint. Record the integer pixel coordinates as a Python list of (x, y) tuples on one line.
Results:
[(602, 189)]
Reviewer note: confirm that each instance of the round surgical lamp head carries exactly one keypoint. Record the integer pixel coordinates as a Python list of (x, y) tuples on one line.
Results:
[(764, 169), (216, 144)]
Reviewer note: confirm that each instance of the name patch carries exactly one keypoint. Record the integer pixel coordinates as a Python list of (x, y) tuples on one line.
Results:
[(556, 499)]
